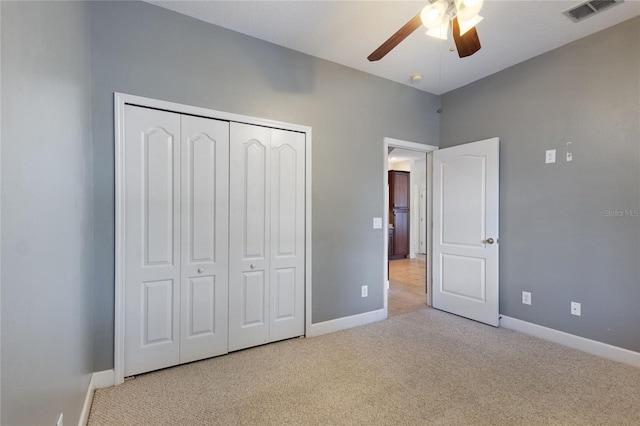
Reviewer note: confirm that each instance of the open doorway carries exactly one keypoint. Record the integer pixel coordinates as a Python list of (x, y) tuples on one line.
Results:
[(407, 208)]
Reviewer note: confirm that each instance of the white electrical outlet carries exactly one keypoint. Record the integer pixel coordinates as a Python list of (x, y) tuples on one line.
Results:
[(365, 290), (60, 420), (377, 223), (550, 156), (575, 308), (526, 298)]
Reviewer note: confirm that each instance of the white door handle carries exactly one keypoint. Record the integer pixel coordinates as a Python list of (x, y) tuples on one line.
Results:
[(200, 270), (253, 266)]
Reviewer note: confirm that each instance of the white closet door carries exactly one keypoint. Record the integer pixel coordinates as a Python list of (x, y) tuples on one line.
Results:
[(204, 277), (249, 236), (152, 209), (287, 235)]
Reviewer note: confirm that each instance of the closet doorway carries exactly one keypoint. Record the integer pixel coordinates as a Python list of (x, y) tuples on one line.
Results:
[(193, 280), (407, 208)]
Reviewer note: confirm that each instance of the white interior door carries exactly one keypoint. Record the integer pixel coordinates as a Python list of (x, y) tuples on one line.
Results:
[(249, 238), (287, 235), (465, 224), (152, 200), (176, 301), (267, 235), (204, 277)]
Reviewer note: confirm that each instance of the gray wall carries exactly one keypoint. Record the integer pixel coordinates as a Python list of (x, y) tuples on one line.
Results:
[(46, 212), (555, 238), (144, 50)]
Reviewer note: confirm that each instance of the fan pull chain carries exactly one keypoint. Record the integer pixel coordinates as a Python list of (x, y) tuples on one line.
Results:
[(440, 77)]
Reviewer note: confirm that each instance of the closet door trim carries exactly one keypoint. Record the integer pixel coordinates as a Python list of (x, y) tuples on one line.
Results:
[(122, 99)]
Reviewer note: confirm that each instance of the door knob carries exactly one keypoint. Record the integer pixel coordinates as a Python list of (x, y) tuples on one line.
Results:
[(489, 241), (253, 266), (200, 270)]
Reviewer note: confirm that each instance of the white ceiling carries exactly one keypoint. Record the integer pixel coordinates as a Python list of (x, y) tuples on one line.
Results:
[(346, 32)]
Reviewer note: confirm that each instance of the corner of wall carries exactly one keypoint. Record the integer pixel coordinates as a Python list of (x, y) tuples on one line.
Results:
[(99, 380)]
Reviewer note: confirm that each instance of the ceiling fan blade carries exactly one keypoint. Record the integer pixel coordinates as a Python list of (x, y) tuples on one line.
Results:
[(395, 39), (468, 43)]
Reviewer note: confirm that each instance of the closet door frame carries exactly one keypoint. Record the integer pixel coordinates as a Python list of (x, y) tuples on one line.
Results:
[(122, 99)]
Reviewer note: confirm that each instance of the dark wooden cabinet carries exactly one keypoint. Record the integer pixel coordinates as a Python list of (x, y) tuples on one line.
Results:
[(399, 194), (401, 233), (399, 190)]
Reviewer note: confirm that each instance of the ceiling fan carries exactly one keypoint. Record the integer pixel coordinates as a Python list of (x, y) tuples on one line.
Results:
[(463, 15)]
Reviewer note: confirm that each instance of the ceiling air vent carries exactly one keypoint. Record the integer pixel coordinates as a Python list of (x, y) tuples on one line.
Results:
[(590, 8)]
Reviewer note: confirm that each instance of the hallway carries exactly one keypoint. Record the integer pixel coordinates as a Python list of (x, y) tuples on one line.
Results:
[(407, 281)]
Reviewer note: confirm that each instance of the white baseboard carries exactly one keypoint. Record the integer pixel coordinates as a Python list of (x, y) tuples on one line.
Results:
[(346, 322), (99, 380), (592, 347)]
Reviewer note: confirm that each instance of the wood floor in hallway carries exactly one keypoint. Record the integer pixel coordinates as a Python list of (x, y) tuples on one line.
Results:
[(407, 282)]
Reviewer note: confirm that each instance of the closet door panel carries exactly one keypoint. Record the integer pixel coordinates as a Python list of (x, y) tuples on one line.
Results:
[(204, 289), (253, 299), (287, 242), (152, 242), (255, 200), (284, 300), (249, 236), (201, 308), (157, 312)]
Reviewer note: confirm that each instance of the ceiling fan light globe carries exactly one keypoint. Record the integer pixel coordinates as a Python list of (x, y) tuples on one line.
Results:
[(468, 9), (434, 14), (467, 25), (440, 33)]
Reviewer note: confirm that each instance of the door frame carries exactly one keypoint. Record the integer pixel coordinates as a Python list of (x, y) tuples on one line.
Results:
[(412, 146), (120, 101), (423, 214)]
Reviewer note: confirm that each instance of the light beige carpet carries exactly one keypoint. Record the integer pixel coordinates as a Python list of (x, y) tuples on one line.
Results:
[(424, 367)]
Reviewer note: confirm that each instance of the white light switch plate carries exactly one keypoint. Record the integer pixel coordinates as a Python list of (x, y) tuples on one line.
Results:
[(550, 157), (377, 223), (575, 309)]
